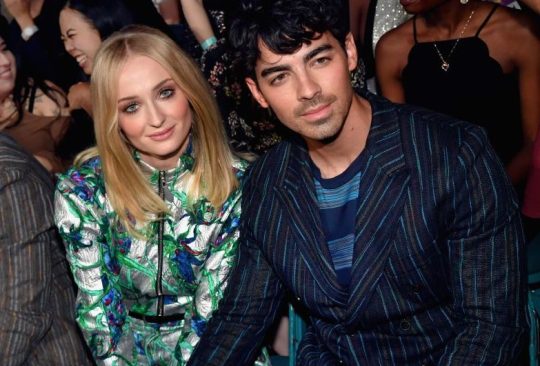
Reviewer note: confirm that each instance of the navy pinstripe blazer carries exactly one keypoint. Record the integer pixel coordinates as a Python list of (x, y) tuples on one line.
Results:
[(438, 267)]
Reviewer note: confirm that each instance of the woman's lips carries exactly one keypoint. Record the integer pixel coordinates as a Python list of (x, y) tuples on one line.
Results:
[(162, 135)]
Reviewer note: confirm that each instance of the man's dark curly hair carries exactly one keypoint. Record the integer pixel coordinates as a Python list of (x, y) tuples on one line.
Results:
[(283, 26)]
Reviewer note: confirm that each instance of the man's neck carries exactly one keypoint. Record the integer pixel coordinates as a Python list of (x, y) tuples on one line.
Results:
[(335, 157)]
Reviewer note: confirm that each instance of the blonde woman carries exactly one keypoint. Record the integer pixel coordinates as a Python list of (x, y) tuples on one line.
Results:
[(150, 216)]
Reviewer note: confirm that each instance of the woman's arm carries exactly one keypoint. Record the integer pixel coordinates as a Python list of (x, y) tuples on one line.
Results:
[(528, 64), (197, 19), (390, 57), (214, 275), (100, 312), (79, 97)]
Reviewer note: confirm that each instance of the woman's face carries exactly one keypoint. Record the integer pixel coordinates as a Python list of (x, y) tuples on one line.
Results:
[(153, 112), (80, 38), (8, 69)]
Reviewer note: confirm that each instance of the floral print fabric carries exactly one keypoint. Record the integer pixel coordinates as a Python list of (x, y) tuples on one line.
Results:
[(116, 273)]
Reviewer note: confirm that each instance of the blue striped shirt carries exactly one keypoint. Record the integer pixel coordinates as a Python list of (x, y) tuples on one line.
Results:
[(338, 199)]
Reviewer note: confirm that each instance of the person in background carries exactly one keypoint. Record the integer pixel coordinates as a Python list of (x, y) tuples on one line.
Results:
[(38, 302), (34, 34), (150, 216), (197, 19), (531, 197), (84, 24), (473, 60), (396, 228), (32, 111)]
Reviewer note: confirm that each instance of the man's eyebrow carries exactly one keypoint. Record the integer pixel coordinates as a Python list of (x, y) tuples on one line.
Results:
[(274, 69), (316, 51), (313, 53)]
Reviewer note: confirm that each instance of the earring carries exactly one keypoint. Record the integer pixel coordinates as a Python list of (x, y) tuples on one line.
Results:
[(464, 2)]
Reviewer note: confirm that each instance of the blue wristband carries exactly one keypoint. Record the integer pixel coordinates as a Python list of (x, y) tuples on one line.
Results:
[(209, 42)]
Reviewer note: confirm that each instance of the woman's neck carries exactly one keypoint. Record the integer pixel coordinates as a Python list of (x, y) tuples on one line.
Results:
[(449, 17), (35, 8)]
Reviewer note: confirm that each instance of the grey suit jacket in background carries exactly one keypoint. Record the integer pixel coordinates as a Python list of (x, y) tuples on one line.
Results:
[(438, 274), (37, 325)]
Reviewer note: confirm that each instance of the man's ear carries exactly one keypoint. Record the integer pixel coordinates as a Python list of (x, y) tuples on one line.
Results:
[(350, 50), (254, 89)]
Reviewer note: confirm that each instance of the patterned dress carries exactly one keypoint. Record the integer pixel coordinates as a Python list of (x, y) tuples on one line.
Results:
[(180, 266)]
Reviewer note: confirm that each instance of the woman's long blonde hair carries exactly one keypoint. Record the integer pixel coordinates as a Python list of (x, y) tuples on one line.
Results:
[(130, 193)]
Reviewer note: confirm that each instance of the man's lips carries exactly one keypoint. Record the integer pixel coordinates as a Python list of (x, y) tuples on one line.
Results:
[(317, 112)]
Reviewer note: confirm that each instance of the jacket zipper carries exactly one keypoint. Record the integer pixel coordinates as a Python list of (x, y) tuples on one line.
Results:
[(159, 284)]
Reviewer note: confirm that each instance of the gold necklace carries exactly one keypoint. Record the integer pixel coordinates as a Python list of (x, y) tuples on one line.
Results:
[(445, 62)]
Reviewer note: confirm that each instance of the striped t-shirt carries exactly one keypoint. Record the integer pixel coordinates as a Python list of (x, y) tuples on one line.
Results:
[(338, 200)]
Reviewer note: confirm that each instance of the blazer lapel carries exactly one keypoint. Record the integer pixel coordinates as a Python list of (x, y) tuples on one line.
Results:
[(297, 194), (383, 189)]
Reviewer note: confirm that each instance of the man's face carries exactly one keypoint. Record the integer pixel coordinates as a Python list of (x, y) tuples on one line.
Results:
[(310, 90)]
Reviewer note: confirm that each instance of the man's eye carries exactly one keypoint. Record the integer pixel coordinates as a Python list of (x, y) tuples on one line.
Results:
[(322, 60), (278, 79)]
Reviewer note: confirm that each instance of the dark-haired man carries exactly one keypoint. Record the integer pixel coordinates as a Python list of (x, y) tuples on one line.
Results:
[(395, 227)]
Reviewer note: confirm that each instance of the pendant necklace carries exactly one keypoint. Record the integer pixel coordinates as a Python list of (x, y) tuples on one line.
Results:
[(445, 62)]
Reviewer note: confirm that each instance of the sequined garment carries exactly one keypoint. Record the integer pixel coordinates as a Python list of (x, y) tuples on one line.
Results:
[(388, 15), (118, 274)]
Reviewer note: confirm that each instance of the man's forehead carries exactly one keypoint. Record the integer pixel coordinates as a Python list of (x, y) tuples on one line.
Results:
[(268, 57)]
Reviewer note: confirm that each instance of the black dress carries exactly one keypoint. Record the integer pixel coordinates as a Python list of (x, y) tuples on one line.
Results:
[(474, 88)]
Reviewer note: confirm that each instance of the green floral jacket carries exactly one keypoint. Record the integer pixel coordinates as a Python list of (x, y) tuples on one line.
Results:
[(181, 265)]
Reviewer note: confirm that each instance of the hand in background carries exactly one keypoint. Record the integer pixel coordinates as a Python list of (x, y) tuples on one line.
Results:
[(79, 97)]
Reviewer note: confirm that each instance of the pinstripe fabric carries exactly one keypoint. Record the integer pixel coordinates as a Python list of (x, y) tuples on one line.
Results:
[(37, 299), (438, 267)]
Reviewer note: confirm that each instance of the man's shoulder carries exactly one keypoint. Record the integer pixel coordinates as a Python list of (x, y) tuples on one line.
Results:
[(11, 153), (418, 126), (16, 163), (272, 165)]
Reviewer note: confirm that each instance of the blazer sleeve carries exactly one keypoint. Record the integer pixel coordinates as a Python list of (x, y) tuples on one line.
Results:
[(486, 254), (100, 312), (26, 237), (250, 305)]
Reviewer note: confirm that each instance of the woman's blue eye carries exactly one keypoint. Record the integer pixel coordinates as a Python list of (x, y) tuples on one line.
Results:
[(132, 108), (166, 93)]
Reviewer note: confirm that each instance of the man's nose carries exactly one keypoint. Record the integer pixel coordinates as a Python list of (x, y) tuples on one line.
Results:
[(308, 87)]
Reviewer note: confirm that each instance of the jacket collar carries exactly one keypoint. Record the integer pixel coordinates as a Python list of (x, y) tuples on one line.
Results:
[(384, 181)]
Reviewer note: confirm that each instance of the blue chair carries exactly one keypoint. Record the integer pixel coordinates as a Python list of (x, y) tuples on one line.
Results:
[(297, 328)]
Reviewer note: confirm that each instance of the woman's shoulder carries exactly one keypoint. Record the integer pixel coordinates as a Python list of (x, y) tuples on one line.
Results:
[(241, 163), (507, 21), (47, 100), (397, 40), (514, 32), (87, 173)]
